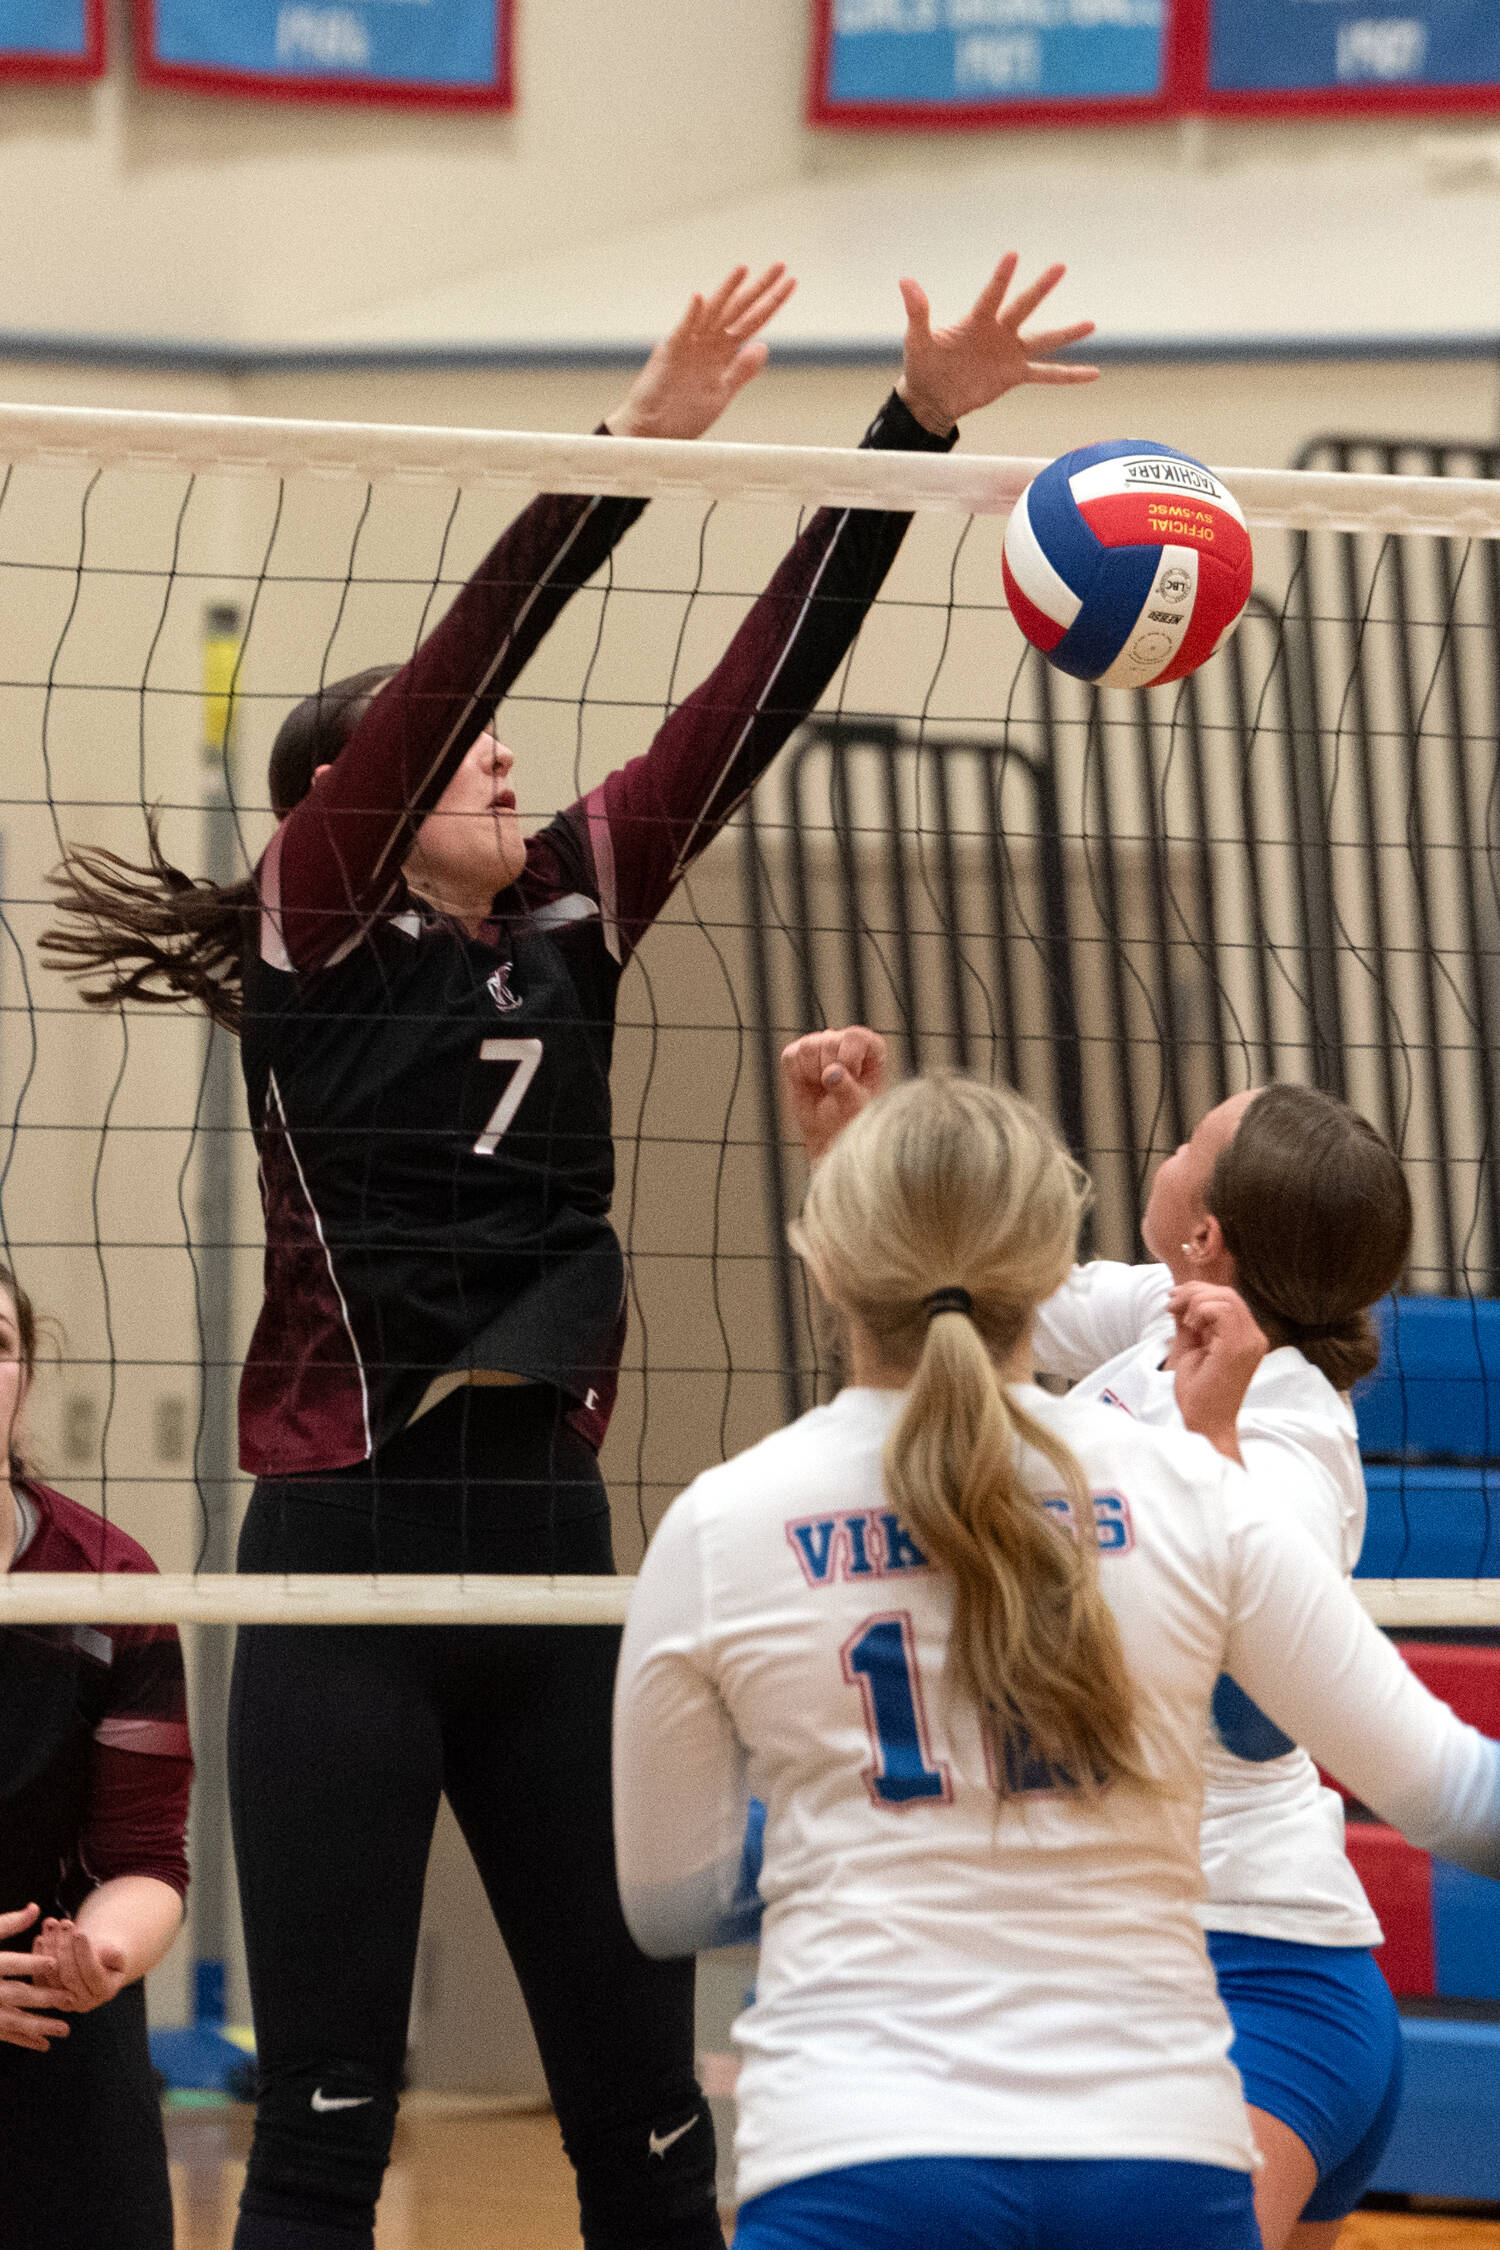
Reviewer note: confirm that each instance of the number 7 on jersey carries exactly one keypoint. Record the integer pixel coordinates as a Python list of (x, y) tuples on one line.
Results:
[(526, 1054)]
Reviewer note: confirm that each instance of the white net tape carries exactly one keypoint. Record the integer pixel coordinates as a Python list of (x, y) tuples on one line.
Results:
[(215, 1598), (644, 468)]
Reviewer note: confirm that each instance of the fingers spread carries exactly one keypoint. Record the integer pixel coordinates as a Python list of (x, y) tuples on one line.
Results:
[(714, 304), (1045, 371), (763, 300), (1055, 339), (1026, 304), (992, 295), (687, 328)]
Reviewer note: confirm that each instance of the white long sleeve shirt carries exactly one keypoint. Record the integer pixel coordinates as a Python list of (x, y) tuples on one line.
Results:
[(1273, 1836), (941, 1974)]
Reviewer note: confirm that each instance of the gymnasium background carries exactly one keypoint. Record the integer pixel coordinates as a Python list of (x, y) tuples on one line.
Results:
[(1255, 286)]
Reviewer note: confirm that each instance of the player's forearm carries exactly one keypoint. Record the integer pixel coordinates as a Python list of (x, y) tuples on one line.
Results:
[(1303, 1649), (664, 809), (135, 1913)]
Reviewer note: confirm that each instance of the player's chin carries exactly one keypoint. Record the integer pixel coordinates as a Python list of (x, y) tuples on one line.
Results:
[(507, 860)]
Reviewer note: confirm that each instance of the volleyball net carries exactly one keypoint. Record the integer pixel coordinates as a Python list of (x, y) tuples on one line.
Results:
[(1127, 905)]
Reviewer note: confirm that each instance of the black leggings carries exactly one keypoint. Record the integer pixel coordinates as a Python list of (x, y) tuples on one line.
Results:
[(341, 1739), (83, 2161)]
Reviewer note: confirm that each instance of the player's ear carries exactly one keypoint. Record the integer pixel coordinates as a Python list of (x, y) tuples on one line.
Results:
[(1208, 1241), (319, 772)]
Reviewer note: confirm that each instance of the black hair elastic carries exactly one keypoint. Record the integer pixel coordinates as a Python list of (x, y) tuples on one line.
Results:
[(948, 1300)]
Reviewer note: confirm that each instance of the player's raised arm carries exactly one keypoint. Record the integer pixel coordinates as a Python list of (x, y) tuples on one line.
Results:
[(341, 846), (950, 372), (659, 811), (713, 352)]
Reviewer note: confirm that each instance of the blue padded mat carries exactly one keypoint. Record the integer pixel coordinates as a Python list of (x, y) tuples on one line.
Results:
[(1436, 1395), (1445, 2142), (1430, 1522)]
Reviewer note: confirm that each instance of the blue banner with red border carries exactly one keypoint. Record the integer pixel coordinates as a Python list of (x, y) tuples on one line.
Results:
[(1342, 48), (974, 62), (52, 38), (422, 52)]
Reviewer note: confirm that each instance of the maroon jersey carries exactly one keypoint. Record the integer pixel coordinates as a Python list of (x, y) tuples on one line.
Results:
[(432, 1109), (95, 1765)]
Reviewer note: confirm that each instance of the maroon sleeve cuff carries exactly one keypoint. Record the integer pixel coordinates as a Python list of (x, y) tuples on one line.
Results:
[(136, 1823)]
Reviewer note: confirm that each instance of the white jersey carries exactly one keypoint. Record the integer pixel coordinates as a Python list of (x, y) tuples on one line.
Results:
[(1273, 1836), (943, 1975)]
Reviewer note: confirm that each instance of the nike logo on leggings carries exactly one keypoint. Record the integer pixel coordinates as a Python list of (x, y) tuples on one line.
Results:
[(322, 2101), (659, 2143)]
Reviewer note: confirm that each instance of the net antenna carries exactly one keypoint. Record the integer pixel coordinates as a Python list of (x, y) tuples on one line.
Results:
[(1129, 906)]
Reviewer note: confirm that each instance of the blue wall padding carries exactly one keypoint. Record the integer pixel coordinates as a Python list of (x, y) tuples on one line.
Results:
[(1426, 1522), (1436, 1393), (1445, 2142), (1465, 1934)]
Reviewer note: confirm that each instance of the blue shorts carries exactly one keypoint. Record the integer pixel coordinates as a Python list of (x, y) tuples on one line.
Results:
[(1006, 2203), (1317, 2042)]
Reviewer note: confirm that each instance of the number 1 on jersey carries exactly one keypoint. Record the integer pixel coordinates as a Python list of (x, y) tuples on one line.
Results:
[(526, 1054), (881, 1659)]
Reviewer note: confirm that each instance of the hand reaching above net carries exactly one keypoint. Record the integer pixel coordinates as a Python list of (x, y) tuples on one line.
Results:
[(827, 1078), (951, 372), (713, 352)]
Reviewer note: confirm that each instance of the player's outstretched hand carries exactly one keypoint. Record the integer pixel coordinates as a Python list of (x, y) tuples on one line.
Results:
[(951, 372), (23, 2003), (1218, 1349), (79, 1975), (712, 353), (827, 1078)]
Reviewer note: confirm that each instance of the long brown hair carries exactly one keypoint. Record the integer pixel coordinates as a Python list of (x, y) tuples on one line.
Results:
[(946, 1184), (157, 935), (1315, 1211)]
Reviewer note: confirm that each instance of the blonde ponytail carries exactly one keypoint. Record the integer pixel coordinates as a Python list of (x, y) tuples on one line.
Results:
[(945, 1187)]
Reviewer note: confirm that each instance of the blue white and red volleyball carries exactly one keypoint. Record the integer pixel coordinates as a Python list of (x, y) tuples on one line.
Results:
[(1127, 564)]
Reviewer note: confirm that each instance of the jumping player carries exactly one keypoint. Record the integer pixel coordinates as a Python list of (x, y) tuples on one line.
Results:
[(1294, 1201), (427, 1002), (963, 1639), (94, 1778)]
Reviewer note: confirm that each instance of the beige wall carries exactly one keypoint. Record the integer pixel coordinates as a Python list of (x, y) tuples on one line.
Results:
[(652, 143)]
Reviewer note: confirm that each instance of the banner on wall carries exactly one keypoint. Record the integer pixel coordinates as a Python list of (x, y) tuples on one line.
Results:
[(51, 38), (422, 52), (1353, 54), (982, 62)]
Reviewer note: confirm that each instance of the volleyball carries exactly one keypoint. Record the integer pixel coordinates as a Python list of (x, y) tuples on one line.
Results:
[(1127, 564)]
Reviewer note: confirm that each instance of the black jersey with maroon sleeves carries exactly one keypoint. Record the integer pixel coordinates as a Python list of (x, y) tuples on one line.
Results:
[(95, 1762), (432, 1109)]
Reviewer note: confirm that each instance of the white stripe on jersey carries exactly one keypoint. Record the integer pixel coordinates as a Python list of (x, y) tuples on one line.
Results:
[(941, 1975), (274, 1094), (602, 845)]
